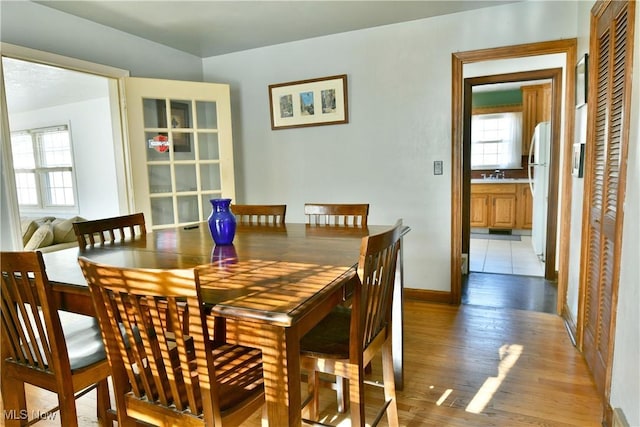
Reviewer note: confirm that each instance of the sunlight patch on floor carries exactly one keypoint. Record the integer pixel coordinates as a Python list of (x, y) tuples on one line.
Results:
[(444, 396), (509, 355)]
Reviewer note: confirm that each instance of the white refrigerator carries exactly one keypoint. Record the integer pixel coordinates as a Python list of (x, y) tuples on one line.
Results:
[(538, 170)]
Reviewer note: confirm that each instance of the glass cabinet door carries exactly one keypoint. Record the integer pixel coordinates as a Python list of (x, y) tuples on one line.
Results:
[(181, 148)]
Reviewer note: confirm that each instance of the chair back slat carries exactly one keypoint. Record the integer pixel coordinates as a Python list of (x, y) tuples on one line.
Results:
[(164, 364), (109, 230), (372, 301), (31, 330), (354, 215), (259, 214), (138, 311), (37, 350)]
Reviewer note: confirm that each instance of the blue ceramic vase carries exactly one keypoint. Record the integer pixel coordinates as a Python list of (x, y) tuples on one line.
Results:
[(222, 223)]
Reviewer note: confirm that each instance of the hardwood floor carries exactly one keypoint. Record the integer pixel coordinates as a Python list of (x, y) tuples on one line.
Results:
[(469, 366), (509, 291)]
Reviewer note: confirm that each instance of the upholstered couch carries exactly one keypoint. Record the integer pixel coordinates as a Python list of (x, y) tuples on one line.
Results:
[(48, 234)]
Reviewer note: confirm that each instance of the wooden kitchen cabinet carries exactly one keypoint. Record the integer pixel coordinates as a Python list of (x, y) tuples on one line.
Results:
[(479, 210), (536, 108), (502, 211), (524, 207), (493, 206)]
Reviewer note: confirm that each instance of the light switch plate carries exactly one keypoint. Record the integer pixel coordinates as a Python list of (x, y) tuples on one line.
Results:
[(437, 167)]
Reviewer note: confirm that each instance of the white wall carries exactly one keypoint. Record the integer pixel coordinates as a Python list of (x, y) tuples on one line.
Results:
[(400, 121), (625, 383), (29, 24), (91, 133)]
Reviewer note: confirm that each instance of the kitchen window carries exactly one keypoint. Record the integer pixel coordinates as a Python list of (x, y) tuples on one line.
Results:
[(43, 167), (496, 141)]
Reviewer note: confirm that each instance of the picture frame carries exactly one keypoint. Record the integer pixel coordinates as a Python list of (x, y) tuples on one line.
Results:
[(581, 124), (180, 119), (577, 160), (582, 80), (313, 102)]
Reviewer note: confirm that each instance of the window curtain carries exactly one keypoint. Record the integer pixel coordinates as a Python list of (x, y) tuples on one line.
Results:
[(496, 141), (513, 138)]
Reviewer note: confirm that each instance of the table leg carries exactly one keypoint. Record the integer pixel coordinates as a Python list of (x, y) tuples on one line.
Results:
[(281, 365)]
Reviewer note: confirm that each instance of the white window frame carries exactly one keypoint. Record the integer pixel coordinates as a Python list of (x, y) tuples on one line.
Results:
[(41, 172), (512, 143)]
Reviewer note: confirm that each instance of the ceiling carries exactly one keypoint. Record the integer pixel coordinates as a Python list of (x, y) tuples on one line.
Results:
[(31, 86), (209, 28)]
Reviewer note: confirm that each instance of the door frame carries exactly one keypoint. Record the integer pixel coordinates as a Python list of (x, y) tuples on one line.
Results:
[(120, 142), (569, 48), (555, 75)]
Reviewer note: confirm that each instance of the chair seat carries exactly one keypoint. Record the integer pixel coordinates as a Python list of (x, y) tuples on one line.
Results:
[(83, 341), (239, 373), (329, 339)]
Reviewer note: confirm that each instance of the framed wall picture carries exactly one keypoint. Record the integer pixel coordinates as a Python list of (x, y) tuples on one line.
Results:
[(313, 102), (577, 160), (582, 80)]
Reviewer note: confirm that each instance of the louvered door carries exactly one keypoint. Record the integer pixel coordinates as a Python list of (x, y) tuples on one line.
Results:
[(611, 49)]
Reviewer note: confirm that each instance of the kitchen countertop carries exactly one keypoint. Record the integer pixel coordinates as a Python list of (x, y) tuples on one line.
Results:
[(500, 181)]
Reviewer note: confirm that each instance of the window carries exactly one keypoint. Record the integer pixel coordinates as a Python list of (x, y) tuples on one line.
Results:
[(43, 166), (496, 141)]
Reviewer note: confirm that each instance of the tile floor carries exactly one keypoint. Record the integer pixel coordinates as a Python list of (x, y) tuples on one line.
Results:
[(505, 257)]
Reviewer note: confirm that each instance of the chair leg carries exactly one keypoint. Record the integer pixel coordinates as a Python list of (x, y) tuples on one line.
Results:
[(342, 386), (389, 383), (103, 403), (356, 396), (14, 402), (314, 391), (67, 404)]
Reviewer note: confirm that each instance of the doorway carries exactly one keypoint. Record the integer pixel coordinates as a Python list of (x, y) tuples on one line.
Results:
[(90, 133), (461, 152), (505, 232), (502, 258), (56, 113), (507, 217)]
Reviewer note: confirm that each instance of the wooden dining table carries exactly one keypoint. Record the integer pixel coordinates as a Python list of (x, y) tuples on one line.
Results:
[(267, 289)]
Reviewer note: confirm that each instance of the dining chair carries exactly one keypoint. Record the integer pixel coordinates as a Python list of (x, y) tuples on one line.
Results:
[(109, 230), (65, 357), (332, 214), (337, 214), (347, 339), (260, 214), (167, 371)]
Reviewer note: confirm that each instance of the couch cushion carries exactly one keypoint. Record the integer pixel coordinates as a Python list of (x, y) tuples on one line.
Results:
[(43, 236), (63, 229), (28, 227)]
